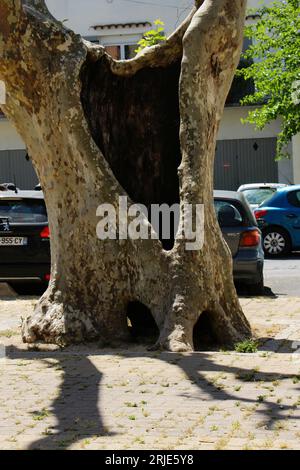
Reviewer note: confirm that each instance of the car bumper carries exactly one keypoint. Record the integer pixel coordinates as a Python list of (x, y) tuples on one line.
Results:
[(248, 266), (24, 272)]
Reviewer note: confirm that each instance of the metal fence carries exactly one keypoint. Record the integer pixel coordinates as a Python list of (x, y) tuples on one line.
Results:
[(15, 168), (244, 161)]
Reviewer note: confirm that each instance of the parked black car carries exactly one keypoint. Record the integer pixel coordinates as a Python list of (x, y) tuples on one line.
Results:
[(243, 237), (24, 237)]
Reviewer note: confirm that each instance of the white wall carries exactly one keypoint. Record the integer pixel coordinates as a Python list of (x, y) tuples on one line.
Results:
[(257, 3), (286, 171), (9, 138), (296, 158), (232, 127), (82, 14)]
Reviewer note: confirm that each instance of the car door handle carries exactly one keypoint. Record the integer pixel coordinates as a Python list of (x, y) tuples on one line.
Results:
[(291, 216)]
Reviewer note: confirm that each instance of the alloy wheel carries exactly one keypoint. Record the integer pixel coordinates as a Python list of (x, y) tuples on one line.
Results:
[(274, 243)]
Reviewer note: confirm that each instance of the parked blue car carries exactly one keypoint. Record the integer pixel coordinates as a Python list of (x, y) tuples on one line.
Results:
[(279, 220)]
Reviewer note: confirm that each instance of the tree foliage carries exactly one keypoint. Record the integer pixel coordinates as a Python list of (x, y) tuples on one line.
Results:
[(154, 36), (275, 69)]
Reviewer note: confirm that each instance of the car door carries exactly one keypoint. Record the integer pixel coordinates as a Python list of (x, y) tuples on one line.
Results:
[(292, 216), (230, 219)]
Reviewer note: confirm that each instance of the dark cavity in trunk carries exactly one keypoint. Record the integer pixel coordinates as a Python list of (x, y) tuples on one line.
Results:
[(135, 122)]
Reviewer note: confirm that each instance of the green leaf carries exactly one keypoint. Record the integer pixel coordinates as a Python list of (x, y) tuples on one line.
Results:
[(153, 36)]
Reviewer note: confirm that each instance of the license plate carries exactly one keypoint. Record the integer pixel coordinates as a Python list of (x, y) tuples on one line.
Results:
[(13, 241)]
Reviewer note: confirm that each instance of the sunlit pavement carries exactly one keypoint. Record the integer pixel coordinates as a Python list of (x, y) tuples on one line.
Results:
[(89, 398), (282, 276)]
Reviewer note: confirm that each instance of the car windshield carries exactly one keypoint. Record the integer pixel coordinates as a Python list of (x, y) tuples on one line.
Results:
[(258, 195), (228, 214), (28, 211)]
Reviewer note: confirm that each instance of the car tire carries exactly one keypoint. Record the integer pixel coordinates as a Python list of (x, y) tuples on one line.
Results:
[(276, 242), (257, 288)]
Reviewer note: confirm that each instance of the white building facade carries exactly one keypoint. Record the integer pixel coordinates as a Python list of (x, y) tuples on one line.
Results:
[(243, 154)]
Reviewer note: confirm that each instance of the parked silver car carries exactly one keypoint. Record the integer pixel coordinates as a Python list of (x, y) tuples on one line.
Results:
[(257, 193)]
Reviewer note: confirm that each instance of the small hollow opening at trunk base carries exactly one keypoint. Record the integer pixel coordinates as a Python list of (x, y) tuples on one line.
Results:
[(204, 336), (141, 324)]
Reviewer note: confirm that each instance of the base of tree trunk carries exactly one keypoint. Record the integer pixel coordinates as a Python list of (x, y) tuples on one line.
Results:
[(63, 326), (180, 311)]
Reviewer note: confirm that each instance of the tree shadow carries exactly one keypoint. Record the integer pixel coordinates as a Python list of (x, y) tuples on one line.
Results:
[(76, 408), (271, 411)]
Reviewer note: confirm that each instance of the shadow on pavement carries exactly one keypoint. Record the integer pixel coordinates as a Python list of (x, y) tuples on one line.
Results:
[(29, 289), (292, 256), (77, 409), (243, 291)]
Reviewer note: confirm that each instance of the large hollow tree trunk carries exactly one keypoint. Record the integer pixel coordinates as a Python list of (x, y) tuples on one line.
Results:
[(98, 129)]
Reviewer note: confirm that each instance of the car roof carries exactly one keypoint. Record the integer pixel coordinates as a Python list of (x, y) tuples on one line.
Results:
[(21, 195), (220, 194), (287, 189), (262, 185), (280, 194)]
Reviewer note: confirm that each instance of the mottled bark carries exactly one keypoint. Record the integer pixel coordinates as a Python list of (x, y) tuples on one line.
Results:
[(57, 84)]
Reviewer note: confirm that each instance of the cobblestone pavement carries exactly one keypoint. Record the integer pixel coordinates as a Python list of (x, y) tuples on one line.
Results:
[(90, 398)]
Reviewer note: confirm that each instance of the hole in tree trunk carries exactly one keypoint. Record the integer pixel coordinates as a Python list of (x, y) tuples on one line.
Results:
[(135, 121), (141, 323), (203, 334)]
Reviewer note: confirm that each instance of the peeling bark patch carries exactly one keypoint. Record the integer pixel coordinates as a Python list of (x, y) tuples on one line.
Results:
[(2, 92), (65, 46), (215, 65), (135, 122), (230, 10), (4, 21)]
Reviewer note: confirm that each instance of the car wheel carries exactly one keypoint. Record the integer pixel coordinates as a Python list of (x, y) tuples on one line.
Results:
[(276, 242), (258, 288)]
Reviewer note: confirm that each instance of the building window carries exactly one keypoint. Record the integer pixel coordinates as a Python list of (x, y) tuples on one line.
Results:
[(117, 51), (121, 51), (130, 51), (119, 39)]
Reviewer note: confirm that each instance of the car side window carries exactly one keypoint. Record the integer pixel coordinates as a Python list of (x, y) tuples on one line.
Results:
[(228, 215), (294, 198)]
